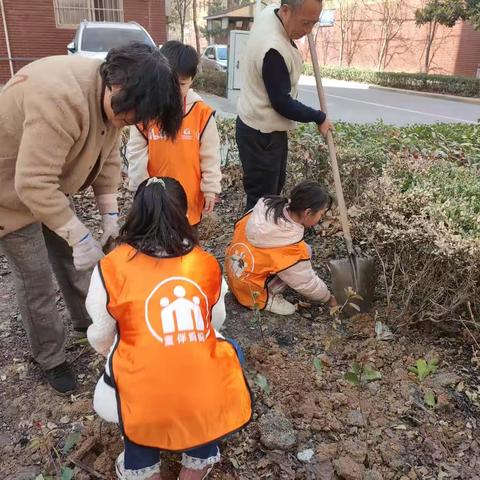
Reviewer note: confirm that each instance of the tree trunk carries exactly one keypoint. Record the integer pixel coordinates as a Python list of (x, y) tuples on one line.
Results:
[(382, 55), (432, 30), (195, 25), (342, 48)]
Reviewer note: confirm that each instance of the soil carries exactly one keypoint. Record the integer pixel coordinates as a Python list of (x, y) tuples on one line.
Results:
[(309, 421)]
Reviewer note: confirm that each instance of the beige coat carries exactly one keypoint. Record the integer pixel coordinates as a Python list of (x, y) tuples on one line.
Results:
[(54, 141)]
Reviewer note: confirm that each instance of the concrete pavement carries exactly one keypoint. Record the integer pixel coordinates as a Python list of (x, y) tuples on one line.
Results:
[(362, 103)]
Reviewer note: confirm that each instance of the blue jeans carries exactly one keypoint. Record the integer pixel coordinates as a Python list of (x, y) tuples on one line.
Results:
[(137, 457)]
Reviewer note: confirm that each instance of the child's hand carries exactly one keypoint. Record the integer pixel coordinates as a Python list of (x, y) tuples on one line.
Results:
[(209, 204), (332, 302)]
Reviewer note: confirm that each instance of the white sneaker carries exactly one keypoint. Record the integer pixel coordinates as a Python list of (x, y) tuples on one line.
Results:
[(277, 304), (120, 466), (141, 474)]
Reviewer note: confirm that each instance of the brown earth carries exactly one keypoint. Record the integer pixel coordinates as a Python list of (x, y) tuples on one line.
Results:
[(380, 430)]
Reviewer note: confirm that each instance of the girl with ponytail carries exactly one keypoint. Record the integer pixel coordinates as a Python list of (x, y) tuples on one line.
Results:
[(171, 380), (268, 253)]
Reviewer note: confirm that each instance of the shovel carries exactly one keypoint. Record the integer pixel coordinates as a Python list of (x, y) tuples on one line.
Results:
[(355, 275)]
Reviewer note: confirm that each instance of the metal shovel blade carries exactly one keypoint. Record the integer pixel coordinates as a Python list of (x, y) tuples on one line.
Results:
[(358, 273)]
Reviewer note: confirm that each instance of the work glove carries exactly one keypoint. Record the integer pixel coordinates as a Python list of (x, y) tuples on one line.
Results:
[(110, 227), (86, 253)]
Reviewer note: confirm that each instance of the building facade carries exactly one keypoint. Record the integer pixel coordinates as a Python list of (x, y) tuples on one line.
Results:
[(383, 35), (32, 30)]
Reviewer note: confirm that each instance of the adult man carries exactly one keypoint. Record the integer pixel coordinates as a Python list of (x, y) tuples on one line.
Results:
[(60, 120), (267, 108)]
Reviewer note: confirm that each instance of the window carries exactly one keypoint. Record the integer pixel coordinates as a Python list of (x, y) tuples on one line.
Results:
[(222, 53), (327, 18), (69, 13), (103, 39)]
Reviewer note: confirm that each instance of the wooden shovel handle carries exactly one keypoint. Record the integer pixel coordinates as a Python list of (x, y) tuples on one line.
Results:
[(331, 150)]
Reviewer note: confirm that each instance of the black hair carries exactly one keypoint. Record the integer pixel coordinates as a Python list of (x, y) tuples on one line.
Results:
[(294, 3), (149, 87), (158, 219), (182, 58), (305, 195)]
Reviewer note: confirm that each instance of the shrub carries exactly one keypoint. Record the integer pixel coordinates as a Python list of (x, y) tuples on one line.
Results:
[(447, 84), (416, 190), (211, 81)]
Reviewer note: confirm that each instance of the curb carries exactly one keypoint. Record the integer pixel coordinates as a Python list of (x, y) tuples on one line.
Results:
[(452, 98)]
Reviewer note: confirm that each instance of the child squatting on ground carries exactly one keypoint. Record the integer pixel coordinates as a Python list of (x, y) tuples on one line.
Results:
[(193, 158), (157, 303), (267, 252)]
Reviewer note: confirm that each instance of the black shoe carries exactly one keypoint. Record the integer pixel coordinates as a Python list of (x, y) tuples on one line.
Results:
[(61, 378)]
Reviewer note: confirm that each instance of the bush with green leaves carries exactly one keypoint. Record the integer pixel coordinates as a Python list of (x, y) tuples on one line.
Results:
[(211, 81), (446, 84)]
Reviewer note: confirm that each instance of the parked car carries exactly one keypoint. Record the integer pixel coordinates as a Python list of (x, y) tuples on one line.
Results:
[(215, 57), (95, 39)]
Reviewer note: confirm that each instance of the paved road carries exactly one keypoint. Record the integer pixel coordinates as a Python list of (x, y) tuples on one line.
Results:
[(354, 102), (360, 103)]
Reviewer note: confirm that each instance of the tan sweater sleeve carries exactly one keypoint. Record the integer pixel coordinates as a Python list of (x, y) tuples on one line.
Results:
[(109, 178), (302, 278), (210, 183), (49, 132)]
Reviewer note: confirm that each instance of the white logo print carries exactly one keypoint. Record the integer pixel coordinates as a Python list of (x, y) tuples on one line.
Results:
[(184, 311), (240, 259), (187, 134), (153, 135), (174, 314)]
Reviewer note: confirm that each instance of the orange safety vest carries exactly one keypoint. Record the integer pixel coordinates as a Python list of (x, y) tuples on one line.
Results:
[(250, 268), (180, 159), (178, 386)]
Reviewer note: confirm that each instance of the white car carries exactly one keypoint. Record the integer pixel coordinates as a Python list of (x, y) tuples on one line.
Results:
[(215, 57), (95, 39)]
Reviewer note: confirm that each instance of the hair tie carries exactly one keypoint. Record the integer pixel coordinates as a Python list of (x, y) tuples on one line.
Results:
[(155, 180)]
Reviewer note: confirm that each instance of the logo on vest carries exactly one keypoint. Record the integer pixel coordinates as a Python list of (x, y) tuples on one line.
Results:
[(174, 312), (154, 134), (186, 134), (240, 258)]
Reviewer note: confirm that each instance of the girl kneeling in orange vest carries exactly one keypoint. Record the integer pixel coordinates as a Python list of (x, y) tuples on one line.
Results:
[(268, 253), (171, 380)]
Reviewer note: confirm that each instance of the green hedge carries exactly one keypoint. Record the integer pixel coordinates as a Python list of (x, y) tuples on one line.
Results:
[(447, 84), (211, 81)]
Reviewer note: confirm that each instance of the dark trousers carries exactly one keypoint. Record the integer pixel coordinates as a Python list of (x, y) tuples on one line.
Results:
[(32, 253), (264, 161)]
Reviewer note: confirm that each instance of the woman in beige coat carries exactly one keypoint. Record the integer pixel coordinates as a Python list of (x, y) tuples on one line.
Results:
[(60, 120)]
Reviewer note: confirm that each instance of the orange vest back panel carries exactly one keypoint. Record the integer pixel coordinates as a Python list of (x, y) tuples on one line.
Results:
[(180, 159), (249, 268), (178, 385)]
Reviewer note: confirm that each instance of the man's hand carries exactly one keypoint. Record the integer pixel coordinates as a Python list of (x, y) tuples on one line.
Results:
[(210, 202), (110, 227), (86, 253), (325, 127)]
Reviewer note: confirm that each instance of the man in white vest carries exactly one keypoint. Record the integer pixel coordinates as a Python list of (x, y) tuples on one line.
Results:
[(267, 107)]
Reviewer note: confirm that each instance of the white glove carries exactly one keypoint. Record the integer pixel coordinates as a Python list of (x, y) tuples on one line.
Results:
[(110, 227), (87, 253)]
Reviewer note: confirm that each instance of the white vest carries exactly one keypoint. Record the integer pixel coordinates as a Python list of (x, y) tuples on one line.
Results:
[(254, 107)]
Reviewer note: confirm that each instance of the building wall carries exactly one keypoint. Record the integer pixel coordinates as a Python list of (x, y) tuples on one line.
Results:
[(33, 33), (456, 50)]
